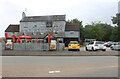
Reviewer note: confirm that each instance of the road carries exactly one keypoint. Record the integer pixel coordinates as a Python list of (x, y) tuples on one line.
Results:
[(60, 66)]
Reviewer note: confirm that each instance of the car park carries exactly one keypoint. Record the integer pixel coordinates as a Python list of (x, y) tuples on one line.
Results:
[(74, 45), (96, 45)]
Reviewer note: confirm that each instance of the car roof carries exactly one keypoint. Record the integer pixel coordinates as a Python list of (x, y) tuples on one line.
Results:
[(73, 41)]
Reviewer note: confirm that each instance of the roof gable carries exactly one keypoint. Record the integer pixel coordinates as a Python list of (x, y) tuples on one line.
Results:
[(13, 28), (72, 27)]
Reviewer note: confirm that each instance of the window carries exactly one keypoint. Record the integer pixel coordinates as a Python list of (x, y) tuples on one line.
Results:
[(32, 40), (35, 26), (99, 42), (55, 26), (49, 24), (22, 40), (91, 43), (71, 32), (25, 27)]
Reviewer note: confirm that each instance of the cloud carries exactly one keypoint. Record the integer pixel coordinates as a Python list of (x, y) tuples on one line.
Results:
[(85, 10)]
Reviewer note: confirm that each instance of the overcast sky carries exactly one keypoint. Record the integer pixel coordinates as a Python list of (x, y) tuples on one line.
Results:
[(85, 10)]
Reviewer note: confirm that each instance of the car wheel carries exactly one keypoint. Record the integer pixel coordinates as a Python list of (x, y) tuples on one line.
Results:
[(111, 48), (93, 49), (86, 49), (104, 50)]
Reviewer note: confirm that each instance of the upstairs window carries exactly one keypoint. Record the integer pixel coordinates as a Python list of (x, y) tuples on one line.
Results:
[(49, 24), (25, 27)]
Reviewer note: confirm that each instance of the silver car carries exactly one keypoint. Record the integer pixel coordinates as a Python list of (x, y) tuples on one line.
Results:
[(115, 46)]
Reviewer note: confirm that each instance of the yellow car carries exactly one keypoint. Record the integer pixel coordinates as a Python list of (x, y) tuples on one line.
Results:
[(73, 45)]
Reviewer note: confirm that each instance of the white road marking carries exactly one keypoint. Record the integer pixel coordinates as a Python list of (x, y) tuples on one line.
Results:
[(51, 72), (55, 71)]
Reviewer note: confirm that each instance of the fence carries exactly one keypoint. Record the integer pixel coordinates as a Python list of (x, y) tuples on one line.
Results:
[(34, 46), (31, 46), (3, 46), (60, 46)]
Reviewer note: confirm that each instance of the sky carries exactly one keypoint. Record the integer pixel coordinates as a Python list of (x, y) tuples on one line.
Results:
[(84, 10)]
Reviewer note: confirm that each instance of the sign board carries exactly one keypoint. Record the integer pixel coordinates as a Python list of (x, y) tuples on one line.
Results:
[(53, 45), (9, 44)]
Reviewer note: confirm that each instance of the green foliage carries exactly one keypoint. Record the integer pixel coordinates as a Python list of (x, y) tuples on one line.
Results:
[(99, 31), (116, 20), (114, 36)]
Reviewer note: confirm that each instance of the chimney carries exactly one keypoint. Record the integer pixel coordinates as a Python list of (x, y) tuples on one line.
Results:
[(23, 15)]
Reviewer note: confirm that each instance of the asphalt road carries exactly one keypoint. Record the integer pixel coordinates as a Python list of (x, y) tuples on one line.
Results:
[(60, 66)]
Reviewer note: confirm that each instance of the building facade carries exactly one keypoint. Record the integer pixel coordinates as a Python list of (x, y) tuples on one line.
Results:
[(36, 29), (42, 24), (72, 33)]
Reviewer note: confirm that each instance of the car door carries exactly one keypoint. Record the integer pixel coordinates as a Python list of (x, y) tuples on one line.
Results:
[(90, 45), (100, 44)]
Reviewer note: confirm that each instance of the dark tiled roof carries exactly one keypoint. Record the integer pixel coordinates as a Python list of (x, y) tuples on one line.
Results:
[(44, 18), (59, 35), (13, 28), (72, 27)]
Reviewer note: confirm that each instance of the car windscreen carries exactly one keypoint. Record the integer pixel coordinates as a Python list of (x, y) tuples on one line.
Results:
[(73, 42), (99, 42), (119, 43), (91, 43)]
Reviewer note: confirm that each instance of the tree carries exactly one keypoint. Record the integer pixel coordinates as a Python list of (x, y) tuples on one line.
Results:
[(114, 36), (98, 31), (116, 20)]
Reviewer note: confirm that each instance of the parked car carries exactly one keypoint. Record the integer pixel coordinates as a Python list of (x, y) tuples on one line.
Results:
[(96, 45), (117, 46), (73, 45), (108, 44), (113, 44)]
